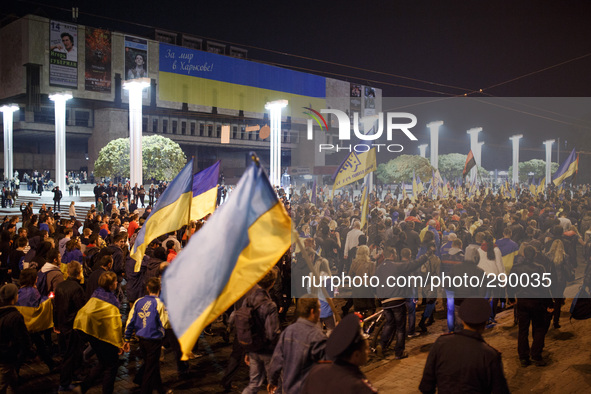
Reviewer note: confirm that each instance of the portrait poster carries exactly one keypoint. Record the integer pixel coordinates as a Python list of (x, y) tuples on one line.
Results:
[(136, 58), (63, 54), (97, 73), (356, 90)]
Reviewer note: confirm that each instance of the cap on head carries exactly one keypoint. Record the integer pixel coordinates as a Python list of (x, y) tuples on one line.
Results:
[(7, 293), (475, 311), (345, 334)]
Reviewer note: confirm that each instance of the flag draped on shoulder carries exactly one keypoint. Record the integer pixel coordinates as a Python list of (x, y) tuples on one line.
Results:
[(566, 169), (238, 245), (470, 163), (38, 318), (355, 167), (205, 192), (101, 320), (170, 213)]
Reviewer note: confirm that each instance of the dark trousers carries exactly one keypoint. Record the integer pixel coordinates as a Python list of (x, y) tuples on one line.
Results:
[(411, 305), (234, 363), (43, 351), (149, 372), (558, 303), (172, 341), (531, 311), (108, 358), (56, 203), (395, 322), (72, 358)]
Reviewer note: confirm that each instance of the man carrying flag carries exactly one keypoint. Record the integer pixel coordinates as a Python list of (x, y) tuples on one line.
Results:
[(241, 242)]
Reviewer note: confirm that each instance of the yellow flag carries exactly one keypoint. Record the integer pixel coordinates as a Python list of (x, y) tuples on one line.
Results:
[(38, 318), (101, 320), (355, 167)]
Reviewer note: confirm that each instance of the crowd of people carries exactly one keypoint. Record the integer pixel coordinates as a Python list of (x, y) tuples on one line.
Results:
[(86, 270)]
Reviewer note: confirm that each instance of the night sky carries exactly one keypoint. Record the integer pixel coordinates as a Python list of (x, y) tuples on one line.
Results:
[(434, 48)]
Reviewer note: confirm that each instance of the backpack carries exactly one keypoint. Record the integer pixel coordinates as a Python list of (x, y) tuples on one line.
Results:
[(90, 259), (249, 329), (581, 306), (42, 283)]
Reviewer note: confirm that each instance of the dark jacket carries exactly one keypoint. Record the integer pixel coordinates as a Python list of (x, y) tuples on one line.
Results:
[(69, 298), (15, 344), (135, 288), (92, 283), (267, 317), (394, 295), (462, 362)]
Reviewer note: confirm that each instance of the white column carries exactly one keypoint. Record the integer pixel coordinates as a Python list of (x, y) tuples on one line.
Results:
[(476, 149), (135, 88), (423, 150), (7, 115), (515, 140), (274, 108), (59, 100), (548, 144), (434, 128)]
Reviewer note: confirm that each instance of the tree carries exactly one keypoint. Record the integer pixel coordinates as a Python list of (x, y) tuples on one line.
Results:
[(401, 169), (162, 158), (537, 166)]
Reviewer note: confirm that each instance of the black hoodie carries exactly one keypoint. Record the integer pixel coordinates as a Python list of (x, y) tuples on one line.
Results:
[(15, 344)]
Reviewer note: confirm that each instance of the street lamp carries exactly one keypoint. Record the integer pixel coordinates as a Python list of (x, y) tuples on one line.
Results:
[(59, 100), (7, 115), (423, 150), (515, 139), (434, 128), (548, 144), (135, 88), (274, 108)]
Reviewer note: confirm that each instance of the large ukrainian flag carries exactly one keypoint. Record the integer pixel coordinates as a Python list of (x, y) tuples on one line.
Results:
[(170, 213), (241, 242), (566, 169), (38, 318), (101, 320), (205, 192)]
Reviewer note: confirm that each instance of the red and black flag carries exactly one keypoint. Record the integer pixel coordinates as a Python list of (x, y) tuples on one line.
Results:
[(470, 162)]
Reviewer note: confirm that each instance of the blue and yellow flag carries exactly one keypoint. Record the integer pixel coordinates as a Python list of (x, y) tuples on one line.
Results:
[(355, 167), (101, 320), (205, 192), (242, 241), (170, 213), (566, 169), (38, 318)]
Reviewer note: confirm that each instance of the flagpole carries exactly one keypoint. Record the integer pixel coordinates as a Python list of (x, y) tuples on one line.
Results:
[(315, 273)]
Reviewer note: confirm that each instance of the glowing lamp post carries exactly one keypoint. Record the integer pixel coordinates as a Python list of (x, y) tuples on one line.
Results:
[(423, 150), (59, 101), (515, 140), (434, 128), (135, 88), (548, 144), (274, 108), (7, 111)]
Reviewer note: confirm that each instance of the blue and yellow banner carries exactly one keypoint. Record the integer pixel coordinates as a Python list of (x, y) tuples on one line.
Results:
[(242, 241), (566, 169), (355, 167), (205, 192), (101, 320), (203, 78), (38, 318), (170, 213)]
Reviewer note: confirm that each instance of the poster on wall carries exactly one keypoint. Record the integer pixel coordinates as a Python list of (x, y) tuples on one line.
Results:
[(97, 73), (136, 58), (370, 101), (63, 54), (356, 97)]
